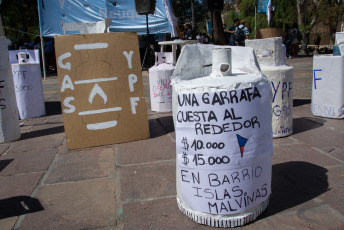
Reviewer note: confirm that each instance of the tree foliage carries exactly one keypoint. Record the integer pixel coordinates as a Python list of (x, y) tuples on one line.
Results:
[(285, 13), (182, 10), (20, 19), (330, 12), (311, 12)]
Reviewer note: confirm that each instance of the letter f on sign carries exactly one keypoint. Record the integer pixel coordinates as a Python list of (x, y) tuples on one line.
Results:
[(133, 102), (316, 79)]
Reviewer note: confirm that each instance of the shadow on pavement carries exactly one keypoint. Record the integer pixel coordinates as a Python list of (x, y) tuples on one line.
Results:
[(4, 164), (43, 132), (160, 126), (304, 124), (299, 102), (294, 183), (53, 108), (19, 205)]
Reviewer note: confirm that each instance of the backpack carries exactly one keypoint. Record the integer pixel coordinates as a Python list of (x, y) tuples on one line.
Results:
[(292, 34), (240, 34)]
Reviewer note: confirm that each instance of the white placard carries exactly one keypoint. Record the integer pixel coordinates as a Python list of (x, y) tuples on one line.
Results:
[(328, 86), (29, 90), (224, 149)]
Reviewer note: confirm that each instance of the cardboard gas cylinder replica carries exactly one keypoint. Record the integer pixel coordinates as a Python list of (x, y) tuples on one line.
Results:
[(27, 81), (101, 89), (328, 83), (160, 83), (340, 42), (222, 116), (271, 58), (9, 124)]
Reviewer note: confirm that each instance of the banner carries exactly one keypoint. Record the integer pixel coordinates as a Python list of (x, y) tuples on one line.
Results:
[(262, 6), (121, 12)]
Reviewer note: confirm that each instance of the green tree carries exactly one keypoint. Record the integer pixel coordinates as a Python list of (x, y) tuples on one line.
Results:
[(182, 10), (285, 13), (20, 19), (247, 12), (312, 12), (306, 13), (330, 13)]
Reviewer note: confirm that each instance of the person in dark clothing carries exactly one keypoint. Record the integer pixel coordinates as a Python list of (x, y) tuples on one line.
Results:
[(295, 39), (241, 33), (189, 33), (231, 31), (287, 40)]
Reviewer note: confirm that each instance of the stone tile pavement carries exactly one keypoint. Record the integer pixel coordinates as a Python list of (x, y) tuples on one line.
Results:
[(132, 185)]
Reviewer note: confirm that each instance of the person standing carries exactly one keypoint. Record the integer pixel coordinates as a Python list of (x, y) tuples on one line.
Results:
[(241, 34), (287, 39), (189, 33), (295, 39), (205, 39), (142, 47), (199, 38), (231, 31)]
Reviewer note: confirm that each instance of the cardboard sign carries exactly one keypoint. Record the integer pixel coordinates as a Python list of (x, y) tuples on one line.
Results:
[(224, 149), (101, 89)]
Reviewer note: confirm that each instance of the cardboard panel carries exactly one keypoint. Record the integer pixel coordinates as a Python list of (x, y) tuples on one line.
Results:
[(101, 89)]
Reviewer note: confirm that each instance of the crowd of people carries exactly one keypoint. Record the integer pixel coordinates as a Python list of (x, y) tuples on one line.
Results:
[(189, 34), (238, 33)]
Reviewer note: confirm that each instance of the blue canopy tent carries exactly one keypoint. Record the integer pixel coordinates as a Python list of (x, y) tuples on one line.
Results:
[(121, 12)]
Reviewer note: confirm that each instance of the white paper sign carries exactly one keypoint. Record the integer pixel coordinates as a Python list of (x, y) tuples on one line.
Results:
[(29, 90), (224, 149), (160, 83)]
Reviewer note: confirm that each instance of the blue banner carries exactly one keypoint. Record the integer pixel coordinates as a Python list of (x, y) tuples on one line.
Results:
[(121, 12), (262, 6)]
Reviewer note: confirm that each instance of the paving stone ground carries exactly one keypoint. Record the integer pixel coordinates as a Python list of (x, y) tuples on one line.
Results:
[(133, 185)]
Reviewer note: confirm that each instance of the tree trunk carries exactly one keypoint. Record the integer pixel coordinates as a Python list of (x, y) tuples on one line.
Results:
[(301, 21), (1, 30), (193, 18), (219, 34), (299, 12)]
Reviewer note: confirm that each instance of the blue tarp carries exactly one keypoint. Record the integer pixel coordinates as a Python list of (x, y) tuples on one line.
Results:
[(124, 17)]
